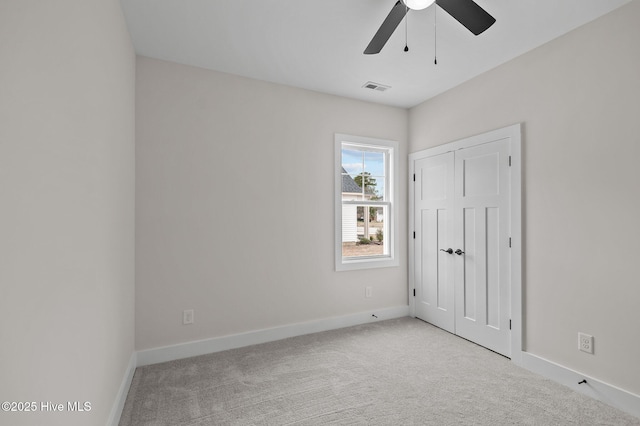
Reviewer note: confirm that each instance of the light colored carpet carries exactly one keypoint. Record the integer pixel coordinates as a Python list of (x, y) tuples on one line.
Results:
[(396, 372)]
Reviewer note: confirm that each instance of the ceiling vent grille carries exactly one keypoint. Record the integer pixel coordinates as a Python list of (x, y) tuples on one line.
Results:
[(375, 86)]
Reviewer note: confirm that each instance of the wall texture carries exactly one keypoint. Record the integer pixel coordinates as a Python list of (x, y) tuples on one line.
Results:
[(66, 206), (234, 213), (578, 97)]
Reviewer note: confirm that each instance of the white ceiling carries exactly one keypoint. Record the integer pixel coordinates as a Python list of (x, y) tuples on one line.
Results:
[(318, 44)]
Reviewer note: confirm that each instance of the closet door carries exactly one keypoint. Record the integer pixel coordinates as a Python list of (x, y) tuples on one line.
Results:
[(482, 286), (461, 263), (433, 205)]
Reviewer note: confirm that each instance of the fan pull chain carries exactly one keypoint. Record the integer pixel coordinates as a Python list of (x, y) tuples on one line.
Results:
[(435, 36), (406, 28)]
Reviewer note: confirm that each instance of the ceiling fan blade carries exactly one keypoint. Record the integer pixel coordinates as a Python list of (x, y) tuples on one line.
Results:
[(468, 13), (387, 28)]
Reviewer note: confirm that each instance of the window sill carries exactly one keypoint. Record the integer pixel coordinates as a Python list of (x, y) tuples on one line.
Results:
[(353, 264)]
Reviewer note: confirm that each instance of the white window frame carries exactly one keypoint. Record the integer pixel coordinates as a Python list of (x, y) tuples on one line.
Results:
[(391, 192)]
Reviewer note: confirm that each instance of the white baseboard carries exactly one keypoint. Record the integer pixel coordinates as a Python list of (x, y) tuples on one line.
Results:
[(217, 344), (609, 394), (121, 397)]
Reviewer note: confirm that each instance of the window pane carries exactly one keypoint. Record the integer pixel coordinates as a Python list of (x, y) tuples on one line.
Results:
[(363, 230), (352, 162), (350, 189), (374, 163)]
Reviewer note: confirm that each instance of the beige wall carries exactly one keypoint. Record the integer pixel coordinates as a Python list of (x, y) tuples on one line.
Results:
[(578, 97), (235, 204), (66, 206), (234, 214)]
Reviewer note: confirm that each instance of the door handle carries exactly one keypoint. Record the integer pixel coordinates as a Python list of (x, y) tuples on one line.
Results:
[(449, 250), (459, 252)]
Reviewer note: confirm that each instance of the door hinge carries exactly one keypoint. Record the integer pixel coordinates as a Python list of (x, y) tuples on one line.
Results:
[(509, 324), (414, 292), (414, 235), (509, 242), (414, 177), (509, 161)]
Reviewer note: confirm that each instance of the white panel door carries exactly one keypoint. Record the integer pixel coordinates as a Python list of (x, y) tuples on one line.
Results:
[(482, 286), (461, 202), (434, 202)]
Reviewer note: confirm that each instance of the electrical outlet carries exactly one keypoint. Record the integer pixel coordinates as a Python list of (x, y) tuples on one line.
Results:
[(585, 343), (368, 291), (187, 317)]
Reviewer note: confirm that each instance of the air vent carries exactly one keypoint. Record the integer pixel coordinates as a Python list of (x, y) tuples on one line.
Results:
[(375, 86)]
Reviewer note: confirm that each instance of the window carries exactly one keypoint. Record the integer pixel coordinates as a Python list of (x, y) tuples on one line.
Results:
[(365, 213)]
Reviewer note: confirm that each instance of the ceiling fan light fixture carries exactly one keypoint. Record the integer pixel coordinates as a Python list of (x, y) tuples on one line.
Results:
[(418, 4)]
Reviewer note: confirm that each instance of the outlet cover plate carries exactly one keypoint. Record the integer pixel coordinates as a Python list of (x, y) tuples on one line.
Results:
[(585, 343), (187, 317)]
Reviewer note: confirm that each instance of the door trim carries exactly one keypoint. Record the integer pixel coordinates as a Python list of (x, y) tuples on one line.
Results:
[(514, 134)]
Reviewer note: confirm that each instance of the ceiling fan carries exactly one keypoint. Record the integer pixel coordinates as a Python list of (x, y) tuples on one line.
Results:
[(467, 12)]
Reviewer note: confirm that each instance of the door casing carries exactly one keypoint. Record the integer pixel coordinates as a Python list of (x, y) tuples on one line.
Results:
[(513, 134)]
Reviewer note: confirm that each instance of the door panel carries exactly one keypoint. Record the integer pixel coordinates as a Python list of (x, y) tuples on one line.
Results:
[(493, 268), (445, 300), (469, 269), (480, 175)]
